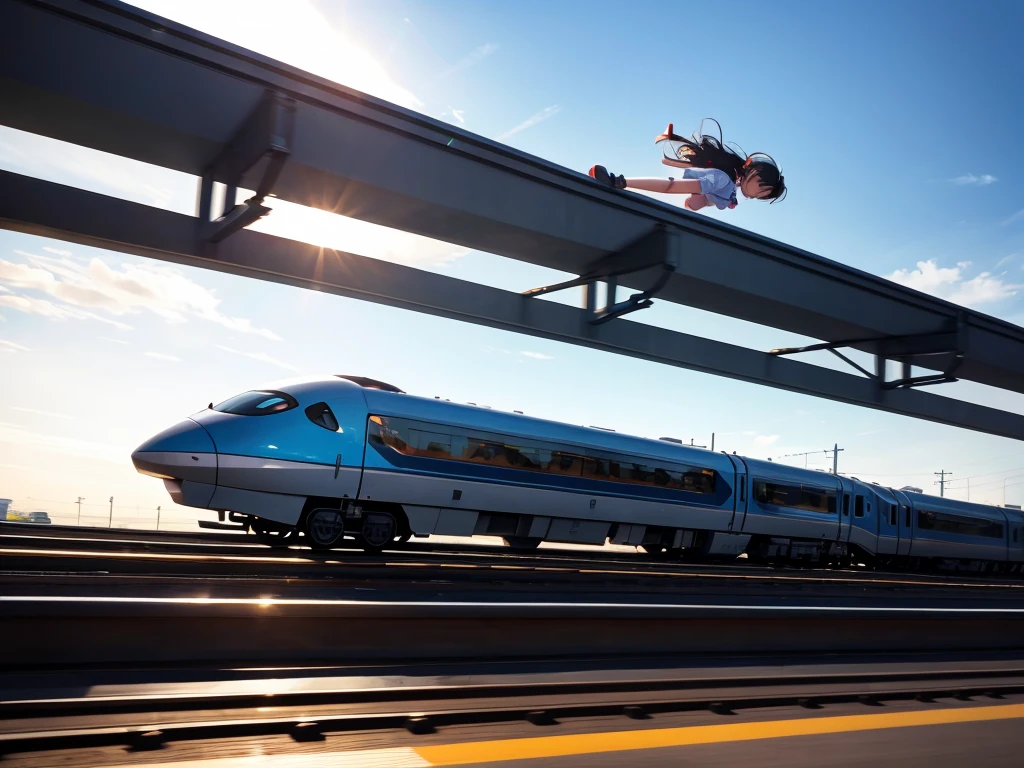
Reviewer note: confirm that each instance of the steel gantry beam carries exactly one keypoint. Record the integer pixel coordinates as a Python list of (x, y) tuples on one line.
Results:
[(53, 210), (136, 85)]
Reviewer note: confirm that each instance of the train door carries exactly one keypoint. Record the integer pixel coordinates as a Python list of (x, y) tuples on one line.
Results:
[(887, 517), (741, 495), (864, 529), (845, 502), (905, 520)]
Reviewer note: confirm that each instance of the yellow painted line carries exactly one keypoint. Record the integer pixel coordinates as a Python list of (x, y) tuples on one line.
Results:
[(400, 757), (591, 743)]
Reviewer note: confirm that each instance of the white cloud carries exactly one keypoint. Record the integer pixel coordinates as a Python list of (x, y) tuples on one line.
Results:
[(115, 341), (765, 439), (477, 55), (969, 178), (33, 306), (458, 114), (949, 283), (162, 356), (126, 289), (1005, 260), (41, 413), (10, 346), (291, 31), (56, 251), (537, 355), (532, 120), (263, 357), (1018, 215)]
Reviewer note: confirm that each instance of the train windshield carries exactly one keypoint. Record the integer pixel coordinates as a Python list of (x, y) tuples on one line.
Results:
[(257, 403)]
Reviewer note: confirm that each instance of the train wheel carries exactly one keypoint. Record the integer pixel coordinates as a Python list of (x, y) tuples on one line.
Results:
[(521, 543), (325, 528), (271, 534), (379, 530)]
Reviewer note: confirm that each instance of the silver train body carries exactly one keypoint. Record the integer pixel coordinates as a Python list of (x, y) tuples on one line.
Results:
[(347, 456)]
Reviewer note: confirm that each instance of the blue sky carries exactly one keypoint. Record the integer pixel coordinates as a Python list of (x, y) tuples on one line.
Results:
[(894, 124)]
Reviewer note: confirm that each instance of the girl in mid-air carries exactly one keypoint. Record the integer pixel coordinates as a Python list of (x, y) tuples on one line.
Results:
[(713, 171)]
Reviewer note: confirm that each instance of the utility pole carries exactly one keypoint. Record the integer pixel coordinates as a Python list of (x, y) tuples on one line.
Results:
[(79, 503), (942, 481), (835, 457), (158, 518), (110, 522)]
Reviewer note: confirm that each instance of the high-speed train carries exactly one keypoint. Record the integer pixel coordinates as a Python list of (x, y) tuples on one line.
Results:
[(347, 456)]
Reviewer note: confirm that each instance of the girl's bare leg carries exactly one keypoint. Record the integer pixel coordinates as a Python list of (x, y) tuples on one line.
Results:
[(695, 202), (672, 186)]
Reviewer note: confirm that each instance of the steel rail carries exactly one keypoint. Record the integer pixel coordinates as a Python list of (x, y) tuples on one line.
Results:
[(305, 721)]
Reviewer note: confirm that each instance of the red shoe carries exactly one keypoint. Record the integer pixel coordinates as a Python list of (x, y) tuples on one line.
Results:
[(669, 135), (600, 174)]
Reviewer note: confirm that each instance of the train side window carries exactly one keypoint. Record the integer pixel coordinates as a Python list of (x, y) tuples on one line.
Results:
[(906, 511), (438, 441), (892, 514), (846, 505), (321, 415), (858, 507), (947, 522), (803, 497)]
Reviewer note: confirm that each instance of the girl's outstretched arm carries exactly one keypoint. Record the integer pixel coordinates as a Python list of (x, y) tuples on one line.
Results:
[(673, 186)]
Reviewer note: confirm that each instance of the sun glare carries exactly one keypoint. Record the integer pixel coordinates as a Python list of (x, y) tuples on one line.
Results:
[(292, 31), (297, 33), (330, 230)]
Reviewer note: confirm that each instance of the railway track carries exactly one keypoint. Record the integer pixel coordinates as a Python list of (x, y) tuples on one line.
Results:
[(83, 559), (118, 643), (349, 708)]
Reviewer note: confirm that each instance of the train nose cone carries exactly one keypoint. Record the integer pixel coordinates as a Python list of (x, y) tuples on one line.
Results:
[(183, 452)]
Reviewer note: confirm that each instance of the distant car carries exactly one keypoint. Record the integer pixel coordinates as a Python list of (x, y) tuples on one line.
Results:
[(39, 517)]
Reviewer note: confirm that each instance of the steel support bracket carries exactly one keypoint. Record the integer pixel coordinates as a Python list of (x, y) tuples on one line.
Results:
[(265, 133), (658, 249), (237, 522), (949, 343)]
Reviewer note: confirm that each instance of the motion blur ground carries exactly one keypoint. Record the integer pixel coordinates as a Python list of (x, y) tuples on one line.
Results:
[(118, 644)]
